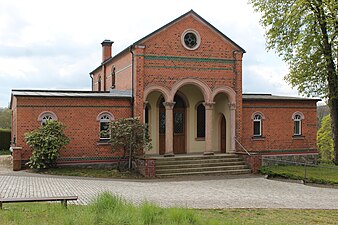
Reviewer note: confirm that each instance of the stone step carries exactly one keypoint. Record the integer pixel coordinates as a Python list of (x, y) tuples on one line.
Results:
[(200, 169), (197, 160), (192, 157), (220, 172), (197, 164)]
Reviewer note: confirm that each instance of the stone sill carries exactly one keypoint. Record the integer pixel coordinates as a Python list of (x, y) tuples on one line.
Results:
[(200, 139), (103, 142), (258, 138), (298, 137)]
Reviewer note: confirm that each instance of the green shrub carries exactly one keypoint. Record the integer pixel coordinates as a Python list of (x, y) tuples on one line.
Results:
[(325, 140), (46, 141), (5, 139)]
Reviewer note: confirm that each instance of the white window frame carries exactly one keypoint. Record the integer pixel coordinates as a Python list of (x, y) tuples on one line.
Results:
[(104, 117), (45, 116), (257, 118), (298, 120)]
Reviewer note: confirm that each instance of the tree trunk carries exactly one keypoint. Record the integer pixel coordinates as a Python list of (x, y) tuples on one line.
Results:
[(332, 78), (334, 119)]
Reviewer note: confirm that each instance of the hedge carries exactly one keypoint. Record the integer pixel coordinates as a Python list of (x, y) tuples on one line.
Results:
[(5, 139)]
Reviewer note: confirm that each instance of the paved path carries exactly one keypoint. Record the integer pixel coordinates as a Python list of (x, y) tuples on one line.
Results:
[(197, 192)]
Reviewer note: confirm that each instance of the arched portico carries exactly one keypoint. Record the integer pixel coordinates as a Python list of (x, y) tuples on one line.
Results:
[(152, 88), (229, 112), (195, 82), (194, 92)]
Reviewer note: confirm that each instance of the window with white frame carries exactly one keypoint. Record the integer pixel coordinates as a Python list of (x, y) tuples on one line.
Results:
[(104, 119), (104, 126), (46, 116), (297, 121), (257, 125)]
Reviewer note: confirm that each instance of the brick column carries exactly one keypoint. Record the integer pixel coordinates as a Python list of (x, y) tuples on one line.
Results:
[(169, 150), (232, 108), (16, 158), (208, 127)]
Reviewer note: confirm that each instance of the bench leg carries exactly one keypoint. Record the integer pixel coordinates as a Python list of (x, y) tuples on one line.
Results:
[(64, 203), (0, 205)]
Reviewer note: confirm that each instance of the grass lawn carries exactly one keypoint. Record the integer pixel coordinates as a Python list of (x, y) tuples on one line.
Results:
[(5, 152), (108, 209), (314, 174), (90, 172)]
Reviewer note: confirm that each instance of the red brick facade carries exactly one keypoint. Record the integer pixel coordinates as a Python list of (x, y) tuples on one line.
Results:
[(278, 126), (80, 117), (162, 64)]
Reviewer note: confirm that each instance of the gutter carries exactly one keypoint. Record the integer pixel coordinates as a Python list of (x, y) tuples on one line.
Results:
[(91, 76), (132, 80)]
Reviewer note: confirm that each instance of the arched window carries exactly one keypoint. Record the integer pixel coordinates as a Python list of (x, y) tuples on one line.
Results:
[(257, 125), (200, 121), (297, 123), (45, 116), (113, 77), (105, 118), (99, 84)]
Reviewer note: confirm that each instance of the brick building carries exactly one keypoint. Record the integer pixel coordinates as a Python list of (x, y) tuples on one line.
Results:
[(185, 81)]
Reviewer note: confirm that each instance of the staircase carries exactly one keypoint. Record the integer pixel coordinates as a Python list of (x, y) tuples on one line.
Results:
[(230, 164)]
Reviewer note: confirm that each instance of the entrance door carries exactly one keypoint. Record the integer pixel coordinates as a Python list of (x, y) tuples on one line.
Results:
[(179, 125), (179, 130), (223, 134)]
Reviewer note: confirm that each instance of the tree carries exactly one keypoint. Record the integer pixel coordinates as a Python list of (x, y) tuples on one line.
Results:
[(325, 141), (131, 136), (304, 33), (322, 111), (5, 118), (46, 142)]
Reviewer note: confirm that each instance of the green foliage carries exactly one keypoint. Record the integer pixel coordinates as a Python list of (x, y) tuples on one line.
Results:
[(105, 211), (319, 175), (300, 30), (305, 34), (5, 152), (325, 140), (5, 139), (46, 141), (130, 135), (5, 118)]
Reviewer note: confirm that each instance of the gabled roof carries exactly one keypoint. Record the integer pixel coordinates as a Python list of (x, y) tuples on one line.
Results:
[(191, 12)]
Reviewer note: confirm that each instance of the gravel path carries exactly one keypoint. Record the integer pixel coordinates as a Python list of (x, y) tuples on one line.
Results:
[(195, 192)]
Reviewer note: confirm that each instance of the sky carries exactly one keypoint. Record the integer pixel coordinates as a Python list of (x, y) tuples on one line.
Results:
[(55, 44)]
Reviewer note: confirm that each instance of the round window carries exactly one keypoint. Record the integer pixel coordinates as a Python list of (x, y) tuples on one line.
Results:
[(190, 39)]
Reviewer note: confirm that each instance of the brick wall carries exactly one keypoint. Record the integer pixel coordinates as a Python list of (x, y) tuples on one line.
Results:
[(80, 117), (123, 67), (278, 126)]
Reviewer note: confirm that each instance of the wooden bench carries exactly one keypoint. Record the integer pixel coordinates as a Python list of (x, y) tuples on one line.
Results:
[(63, 200)]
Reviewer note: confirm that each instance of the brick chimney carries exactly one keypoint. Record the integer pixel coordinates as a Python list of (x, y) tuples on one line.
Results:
[(106, 49)]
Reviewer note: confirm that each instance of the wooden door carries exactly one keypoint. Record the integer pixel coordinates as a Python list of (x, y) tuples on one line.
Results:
[(161, 131), (223, 135), (179, 130)]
